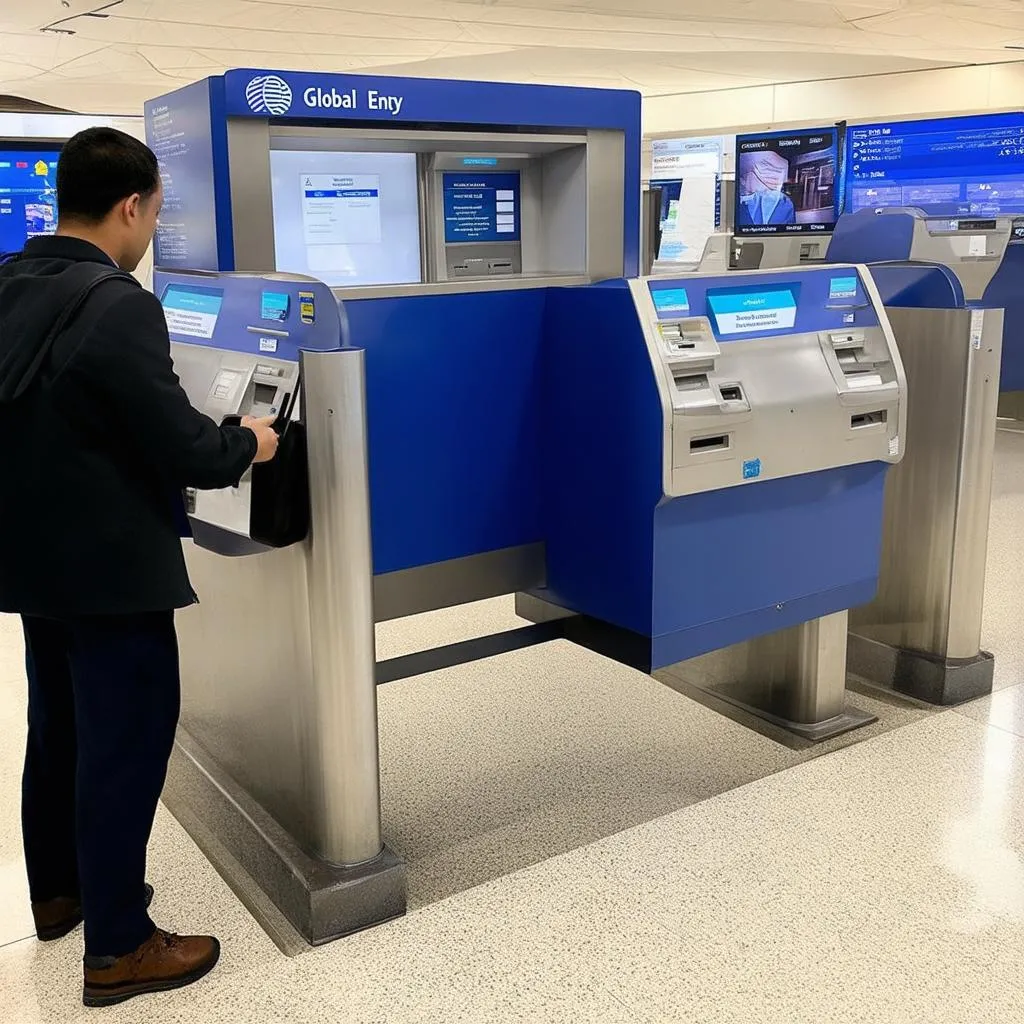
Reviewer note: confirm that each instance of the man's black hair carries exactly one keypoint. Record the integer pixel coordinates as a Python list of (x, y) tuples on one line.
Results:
[(100, 167)]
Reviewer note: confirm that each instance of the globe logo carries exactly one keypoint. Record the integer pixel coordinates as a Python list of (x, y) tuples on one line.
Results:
[(268, 94)]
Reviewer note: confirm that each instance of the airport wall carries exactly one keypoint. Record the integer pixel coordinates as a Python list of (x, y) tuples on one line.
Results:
[(965, 90)]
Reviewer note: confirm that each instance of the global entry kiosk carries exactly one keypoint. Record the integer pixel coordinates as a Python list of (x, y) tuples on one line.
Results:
[(437, 285)]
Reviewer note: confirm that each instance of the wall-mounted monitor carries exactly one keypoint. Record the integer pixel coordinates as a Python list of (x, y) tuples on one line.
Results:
[(786, 182), (28, 194), (951, 166), (348, 219)]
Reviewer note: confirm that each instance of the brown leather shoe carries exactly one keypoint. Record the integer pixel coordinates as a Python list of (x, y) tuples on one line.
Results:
[(57, 918), (161, 963)]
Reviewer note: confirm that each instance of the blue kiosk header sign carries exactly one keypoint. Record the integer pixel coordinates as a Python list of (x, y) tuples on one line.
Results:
[(189, 130), (952, 166)]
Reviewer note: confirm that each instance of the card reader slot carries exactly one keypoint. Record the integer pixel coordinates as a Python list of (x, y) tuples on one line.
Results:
[(714, 443), (731, 393), (691, 381), (869, 419)]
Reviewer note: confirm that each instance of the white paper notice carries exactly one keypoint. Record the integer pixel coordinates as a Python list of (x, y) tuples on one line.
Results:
[(341, 209), (685, 235), (977, 326), (977, 246)]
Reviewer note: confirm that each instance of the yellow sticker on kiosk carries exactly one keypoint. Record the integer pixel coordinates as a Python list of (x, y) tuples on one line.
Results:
[(307, 307)]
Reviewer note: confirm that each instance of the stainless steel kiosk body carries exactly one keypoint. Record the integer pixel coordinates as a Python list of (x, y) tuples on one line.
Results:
[(922, 634)]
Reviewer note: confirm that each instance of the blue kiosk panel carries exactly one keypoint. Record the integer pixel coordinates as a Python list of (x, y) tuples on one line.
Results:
[(1006, 291), (454, 423), (694, 573), (241, 313)]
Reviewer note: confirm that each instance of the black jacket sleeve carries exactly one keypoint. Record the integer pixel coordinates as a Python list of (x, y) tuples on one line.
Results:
[(128, 361)]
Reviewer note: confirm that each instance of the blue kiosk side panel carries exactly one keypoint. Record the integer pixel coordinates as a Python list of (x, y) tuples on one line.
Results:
[(756, 558), (602, 456), (695, 573), (453, 406), (1006, 291)]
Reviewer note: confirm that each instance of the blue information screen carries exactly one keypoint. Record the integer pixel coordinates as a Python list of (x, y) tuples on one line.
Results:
[(746, 310), (950, 166), (275, 306), (192, 310), (840, 288), (28, 196), (671, 303), (482, 207)]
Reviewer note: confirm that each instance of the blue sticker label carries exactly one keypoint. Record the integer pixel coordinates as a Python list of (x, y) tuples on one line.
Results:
[(751, 469)]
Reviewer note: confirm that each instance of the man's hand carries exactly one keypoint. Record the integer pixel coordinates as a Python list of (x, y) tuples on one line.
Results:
[(266, 436)]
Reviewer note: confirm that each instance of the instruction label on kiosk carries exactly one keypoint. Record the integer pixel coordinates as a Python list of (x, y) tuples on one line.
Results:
[(977, 327), (742, 312)]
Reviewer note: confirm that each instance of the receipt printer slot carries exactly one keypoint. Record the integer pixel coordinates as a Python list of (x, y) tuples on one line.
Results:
[(714, 443), (869, 419)]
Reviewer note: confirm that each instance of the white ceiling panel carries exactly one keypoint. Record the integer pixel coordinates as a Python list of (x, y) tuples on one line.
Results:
[(135, 49)]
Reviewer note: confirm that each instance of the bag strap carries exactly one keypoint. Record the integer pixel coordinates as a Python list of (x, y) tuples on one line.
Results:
[(70, 292)]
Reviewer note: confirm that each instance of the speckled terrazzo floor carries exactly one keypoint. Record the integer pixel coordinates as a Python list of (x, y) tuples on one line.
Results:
[(585, 845)]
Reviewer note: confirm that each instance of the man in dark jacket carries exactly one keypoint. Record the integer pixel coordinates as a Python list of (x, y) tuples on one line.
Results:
[(99, 441)]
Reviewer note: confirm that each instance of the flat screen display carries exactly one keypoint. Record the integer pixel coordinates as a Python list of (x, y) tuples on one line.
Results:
[(275, 306), (952, 166), (192, 311), (748, 310), (348, 219), (786, 182), (671, 303), (28, 195), (482, 207)]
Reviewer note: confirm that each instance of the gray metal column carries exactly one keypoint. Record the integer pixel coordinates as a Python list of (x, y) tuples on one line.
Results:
[(794, 679), (344, 700), (922, 633), (277, 755)]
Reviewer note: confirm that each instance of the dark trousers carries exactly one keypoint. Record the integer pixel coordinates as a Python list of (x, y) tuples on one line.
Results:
[(104, 697)]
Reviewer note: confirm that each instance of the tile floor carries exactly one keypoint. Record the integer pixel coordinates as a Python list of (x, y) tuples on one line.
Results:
[(588, 846)]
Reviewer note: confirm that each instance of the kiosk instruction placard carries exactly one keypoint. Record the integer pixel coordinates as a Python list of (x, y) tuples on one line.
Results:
[(482, 207)]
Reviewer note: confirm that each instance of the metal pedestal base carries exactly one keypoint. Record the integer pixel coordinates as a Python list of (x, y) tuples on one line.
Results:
[(320, 900), (925, 677), (794, 679)]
